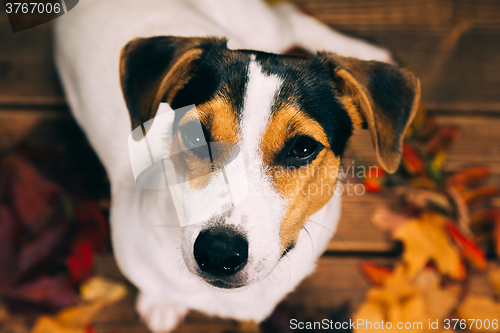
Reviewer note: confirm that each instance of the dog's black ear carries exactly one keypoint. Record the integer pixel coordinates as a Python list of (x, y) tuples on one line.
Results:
[(381, 97), (153, 69)]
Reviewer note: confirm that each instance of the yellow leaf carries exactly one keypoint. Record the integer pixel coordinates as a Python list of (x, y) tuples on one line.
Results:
[(80, 315), (480, 308), (439, 301), (47, 324), (426, 239), (368, 312), (72, 320), (98, 288), (402, 299)]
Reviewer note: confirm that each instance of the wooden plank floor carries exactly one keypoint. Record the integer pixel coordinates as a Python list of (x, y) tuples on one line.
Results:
[(454, 47)]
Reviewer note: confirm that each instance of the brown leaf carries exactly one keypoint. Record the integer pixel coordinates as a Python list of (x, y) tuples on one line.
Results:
[(425, 199), (473, 197), (54, 293), (468, 177), (442, 139), (42, 248), (31, 193)]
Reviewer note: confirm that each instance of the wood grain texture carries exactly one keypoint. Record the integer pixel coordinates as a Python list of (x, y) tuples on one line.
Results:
[(453, 46)]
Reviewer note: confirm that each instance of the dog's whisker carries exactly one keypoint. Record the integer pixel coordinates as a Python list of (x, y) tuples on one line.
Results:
[(333, 232), (336, 235), (312, 243)]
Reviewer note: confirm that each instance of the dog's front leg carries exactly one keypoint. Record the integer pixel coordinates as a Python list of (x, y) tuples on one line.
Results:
[(161, 316), (314, 36)]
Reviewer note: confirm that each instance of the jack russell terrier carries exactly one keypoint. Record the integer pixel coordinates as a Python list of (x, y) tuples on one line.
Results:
[(122, 60)]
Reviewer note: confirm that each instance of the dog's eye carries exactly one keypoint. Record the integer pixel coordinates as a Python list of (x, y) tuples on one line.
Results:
[(299, 151), (303, 147), (194, 135)]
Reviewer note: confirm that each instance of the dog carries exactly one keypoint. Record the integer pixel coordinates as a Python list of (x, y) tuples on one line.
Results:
[(288, 116)]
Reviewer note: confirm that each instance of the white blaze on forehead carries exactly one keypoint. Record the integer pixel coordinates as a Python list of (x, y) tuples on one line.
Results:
[(260, 93)]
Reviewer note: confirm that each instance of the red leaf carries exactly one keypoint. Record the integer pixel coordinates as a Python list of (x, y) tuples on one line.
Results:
[(412, 162), (443, 138), (93, 225), (485, 216), (54, 293), (475, 196), (89, 329), (376, 274), (468, 177), (80, 262), (372, 185), (469, 249)]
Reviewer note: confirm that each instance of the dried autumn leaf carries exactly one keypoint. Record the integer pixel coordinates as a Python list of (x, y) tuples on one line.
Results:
[(426, 239), (372, 185), (376, 274), (469, 249), (485, 216), (93, 225), (425, 199), (386, 219), (442, 139), (368, 312), (80, 261), (373, 179), (439, 301), (479, 308), (472, 197), (31, 194), (468, 177), (42, 248), (462, 210), (438, 162), (402, 299), (99, 288), (54, 293), (72, 320), (46, 324), (412, 162), (423, 182)]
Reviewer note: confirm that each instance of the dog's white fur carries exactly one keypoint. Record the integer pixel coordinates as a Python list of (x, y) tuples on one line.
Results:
[(148, 250)]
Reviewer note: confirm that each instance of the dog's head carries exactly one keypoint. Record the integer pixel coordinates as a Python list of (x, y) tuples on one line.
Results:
[(289, 117)]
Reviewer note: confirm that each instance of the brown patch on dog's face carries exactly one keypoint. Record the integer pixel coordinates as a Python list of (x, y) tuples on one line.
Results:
[(217, 118), (306, 188)]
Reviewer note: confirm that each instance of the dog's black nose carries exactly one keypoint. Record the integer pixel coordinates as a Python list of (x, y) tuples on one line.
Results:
[(221, 251)]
